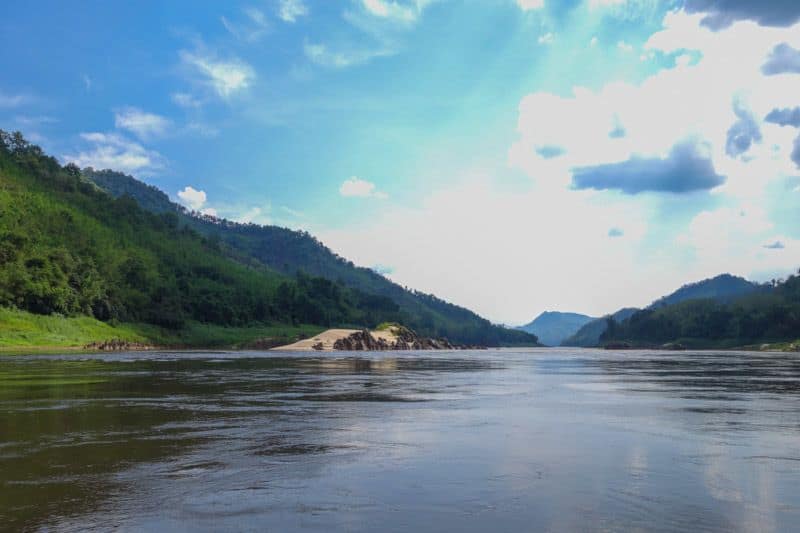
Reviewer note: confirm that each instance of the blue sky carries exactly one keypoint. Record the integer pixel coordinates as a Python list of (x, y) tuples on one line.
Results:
[(509, 155)]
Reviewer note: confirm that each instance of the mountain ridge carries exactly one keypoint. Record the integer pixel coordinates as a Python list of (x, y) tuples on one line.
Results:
[(552, 327)]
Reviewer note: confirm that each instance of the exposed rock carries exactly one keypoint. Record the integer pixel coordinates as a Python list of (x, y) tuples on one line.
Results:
[(117, 345), (406, 339), (318, 346)]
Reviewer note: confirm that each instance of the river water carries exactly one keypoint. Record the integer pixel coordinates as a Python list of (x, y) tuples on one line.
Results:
[(497, 440)]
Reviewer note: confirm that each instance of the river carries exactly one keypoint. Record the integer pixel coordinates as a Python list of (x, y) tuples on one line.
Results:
[(495, 440)]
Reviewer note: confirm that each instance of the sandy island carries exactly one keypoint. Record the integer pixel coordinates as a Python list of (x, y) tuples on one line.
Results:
[(329, 337)]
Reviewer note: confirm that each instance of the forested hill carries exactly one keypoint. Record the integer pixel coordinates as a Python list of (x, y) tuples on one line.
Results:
[(721, 288), (68, 247), (769, 315), (288, 251)]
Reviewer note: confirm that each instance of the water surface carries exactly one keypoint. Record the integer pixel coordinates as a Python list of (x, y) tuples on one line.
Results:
[(541, 439)]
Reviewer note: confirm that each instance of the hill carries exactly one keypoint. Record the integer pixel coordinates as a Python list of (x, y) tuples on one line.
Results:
[(720, 288), (288, 252), (589, 334), (69, 248), (769, 315), (552, 327)]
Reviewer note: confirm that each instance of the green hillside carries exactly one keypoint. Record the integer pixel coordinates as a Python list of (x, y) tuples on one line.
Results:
[(68, 248), (771, 315)]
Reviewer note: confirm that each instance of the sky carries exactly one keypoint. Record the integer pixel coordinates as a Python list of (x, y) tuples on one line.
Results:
[(510, 156)]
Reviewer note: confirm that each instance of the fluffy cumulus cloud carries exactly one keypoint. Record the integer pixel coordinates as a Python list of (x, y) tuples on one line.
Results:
[(720, 14), (141, 123), (192, 198), (687, 168), (355, 187), (114, 151), (638, 126), (225, 77), (196, 200), (782, 60)]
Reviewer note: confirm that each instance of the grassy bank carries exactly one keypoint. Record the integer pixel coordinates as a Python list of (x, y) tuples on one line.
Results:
[(21, 331)]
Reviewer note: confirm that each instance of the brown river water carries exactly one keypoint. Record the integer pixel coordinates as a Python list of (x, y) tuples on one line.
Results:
[(496, 440)]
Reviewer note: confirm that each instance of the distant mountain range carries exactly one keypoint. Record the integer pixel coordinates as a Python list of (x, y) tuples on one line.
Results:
[(552, 327), (722, 288)]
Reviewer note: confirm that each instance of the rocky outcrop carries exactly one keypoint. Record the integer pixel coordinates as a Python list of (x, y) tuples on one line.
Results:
[(406, 339), (117, 345)]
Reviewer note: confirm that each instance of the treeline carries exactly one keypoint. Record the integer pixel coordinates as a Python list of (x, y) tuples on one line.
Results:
[(67, 247), (768, 315)]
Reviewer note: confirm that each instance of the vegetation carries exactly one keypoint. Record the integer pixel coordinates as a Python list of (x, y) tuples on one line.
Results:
[(67, 248), (769, 315)]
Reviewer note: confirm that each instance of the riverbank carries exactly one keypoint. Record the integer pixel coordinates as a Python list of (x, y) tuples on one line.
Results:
[(23, 332)]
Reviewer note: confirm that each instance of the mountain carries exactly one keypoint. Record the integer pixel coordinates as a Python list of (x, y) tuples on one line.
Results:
[(552, 327), (720, 288), (589, 334), (770, 314)]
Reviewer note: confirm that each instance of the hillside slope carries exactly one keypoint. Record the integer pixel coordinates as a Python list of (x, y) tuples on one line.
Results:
[(720, 288), (770, 315), (589, 334), (287, 251), (552, 327)]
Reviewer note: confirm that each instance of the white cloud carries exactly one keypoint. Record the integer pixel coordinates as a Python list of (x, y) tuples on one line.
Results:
[(225, 77), (110, 150), (593, 42), (625, 47), (527, 5), (251, 29), (355, 187), (691, 100), (547, 38), (16, 100), (192, 198), (291, 10), (391, 9), (186, 100), (141, 123), (323, 56)]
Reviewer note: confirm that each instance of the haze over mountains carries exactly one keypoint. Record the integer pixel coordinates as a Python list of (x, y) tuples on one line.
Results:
[(552, 327)]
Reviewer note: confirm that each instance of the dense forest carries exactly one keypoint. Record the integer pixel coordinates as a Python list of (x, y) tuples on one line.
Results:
[(770, 314), (67, 247)]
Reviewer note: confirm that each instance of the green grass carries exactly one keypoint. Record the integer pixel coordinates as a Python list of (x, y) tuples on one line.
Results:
[(21, 331)]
